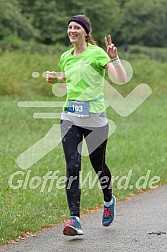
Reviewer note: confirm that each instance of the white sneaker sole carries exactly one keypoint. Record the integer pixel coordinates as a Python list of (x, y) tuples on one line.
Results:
[(71, 231)]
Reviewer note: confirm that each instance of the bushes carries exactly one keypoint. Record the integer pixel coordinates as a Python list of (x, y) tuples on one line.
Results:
[(154, 53), (17, 68), (13, 43), (16, 73)]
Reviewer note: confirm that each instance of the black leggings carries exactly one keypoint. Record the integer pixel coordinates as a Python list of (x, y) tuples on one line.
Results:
[(96, 140)]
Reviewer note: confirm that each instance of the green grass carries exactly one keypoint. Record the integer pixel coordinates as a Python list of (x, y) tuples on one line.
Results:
[(138, 144)]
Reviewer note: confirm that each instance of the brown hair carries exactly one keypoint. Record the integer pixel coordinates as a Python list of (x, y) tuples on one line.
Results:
[(89, 36)]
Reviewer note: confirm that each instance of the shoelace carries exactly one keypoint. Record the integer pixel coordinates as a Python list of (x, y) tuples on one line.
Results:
[(107, 212)]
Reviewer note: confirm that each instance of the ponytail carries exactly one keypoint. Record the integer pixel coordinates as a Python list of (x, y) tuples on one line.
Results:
[(90, 40)]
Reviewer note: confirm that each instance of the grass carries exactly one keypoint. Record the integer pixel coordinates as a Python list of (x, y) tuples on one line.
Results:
[(137, 146)]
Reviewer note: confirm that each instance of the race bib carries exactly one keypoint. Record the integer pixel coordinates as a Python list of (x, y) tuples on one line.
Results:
[(78, 108)]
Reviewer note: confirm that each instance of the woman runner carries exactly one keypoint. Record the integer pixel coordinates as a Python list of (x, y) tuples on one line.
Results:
[(84, 116)]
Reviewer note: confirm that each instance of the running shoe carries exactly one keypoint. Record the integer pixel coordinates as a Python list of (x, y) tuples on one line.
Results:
[(109, 213), (73, 227)]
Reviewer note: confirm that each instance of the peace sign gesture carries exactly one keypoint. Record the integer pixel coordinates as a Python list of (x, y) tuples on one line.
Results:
[(111, 49)]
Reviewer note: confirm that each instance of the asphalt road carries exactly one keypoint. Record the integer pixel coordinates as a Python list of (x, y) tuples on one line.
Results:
[(141, 225)]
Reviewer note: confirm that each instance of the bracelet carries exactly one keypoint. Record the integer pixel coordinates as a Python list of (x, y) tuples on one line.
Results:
[(116, 61)]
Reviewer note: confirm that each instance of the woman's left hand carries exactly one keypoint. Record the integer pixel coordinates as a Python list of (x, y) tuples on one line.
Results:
[(111, 49)]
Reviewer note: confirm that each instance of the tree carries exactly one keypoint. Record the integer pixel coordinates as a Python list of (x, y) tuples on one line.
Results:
[(144, 22), (105, 17), (45, 21), (13, 22), (50, 17)]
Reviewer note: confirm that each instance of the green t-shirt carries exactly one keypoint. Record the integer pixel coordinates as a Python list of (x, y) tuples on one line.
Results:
[(85, 75)]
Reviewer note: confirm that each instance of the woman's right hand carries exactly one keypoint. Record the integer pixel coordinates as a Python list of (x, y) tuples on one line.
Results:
[(51, 77)]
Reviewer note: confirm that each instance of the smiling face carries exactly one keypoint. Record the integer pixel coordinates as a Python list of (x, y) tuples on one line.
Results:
[(76, 33)]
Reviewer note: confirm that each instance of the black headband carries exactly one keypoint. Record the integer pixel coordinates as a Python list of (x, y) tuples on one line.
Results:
[(81, 21)]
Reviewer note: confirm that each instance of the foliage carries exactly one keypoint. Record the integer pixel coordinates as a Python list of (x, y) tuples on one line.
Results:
[(45, 21), (13, 22), (149, 66), (144, 22)]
